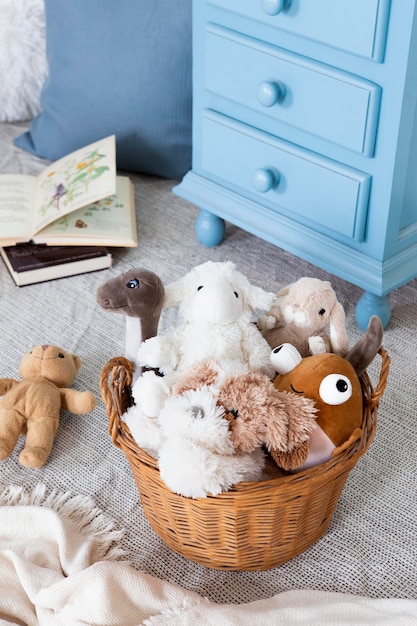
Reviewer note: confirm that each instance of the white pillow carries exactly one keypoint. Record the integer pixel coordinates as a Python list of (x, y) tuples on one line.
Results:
[(23, 65)]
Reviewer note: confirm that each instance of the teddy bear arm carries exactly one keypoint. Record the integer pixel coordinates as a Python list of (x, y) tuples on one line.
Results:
[(6, 384), (78, 402)]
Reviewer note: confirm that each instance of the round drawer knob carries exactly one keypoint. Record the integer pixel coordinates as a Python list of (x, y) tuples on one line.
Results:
[(265, 178), (270, 93), (273, 7)]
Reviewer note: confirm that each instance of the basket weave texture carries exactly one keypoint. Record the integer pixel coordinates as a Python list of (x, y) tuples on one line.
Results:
[(255, 525)]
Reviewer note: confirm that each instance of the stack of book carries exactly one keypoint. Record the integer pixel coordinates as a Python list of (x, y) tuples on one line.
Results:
[(63, 221)]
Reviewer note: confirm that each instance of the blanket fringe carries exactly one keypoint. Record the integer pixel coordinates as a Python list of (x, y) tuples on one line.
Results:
[(80, 510)]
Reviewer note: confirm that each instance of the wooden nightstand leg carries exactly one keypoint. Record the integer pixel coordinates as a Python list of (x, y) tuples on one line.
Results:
[(209, 228), (370, 304)]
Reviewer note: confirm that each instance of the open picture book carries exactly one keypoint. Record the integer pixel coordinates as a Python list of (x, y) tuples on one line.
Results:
[(77, 200)]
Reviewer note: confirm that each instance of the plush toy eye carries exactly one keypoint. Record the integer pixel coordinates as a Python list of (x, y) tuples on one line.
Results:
[(236, 294), (234, 412), (335, 389), (322, 312), (200, 287), (61, 356), (133, 283)]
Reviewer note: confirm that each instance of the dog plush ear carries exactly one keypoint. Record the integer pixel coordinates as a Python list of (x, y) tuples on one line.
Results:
[(338, 335)]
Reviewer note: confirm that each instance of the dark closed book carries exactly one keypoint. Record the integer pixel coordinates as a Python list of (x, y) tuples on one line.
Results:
[(32, 263)]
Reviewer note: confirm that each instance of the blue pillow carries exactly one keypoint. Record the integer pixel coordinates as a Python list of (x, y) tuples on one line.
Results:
[(118, 67)]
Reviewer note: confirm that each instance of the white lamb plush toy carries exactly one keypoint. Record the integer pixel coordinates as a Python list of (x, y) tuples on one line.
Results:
[(215, 304), (197, 457)]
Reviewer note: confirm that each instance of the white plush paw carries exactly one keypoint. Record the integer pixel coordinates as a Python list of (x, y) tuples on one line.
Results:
[(144, 430), (317, 345), (152, 353), (266, 322), (150, 392)]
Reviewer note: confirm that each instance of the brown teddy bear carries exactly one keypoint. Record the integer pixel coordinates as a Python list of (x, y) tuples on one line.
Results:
[(32, 406)]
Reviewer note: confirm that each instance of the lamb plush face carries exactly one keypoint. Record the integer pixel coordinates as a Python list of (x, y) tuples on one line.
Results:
[(52, 363), (217, 293)]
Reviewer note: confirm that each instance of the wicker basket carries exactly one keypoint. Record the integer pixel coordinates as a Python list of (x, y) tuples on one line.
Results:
[(255, 525)]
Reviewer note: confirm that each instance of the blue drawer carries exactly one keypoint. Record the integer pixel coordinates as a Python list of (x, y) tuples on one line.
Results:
[(313, 97), (300, 184), (355, 26)]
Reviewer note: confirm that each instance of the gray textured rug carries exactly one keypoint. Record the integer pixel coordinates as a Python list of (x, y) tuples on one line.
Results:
[(370, 547)]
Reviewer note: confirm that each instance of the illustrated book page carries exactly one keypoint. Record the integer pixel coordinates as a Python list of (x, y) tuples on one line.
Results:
[(82, 184)]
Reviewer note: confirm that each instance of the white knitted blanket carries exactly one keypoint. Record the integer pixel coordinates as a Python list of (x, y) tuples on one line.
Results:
[(60, 564)]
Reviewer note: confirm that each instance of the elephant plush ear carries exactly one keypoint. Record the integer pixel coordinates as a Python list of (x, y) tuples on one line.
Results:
[(338, 335), (365, 350)]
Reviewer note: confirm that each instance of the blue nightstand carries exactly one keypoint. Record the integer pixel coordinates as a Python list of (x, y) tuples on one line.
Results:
[(305, 133)]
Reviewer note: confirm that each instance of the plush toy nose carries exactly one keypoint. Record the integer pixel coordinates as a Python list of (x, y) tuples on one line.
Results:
[(45, 346), (197, 411), (217, 302), (285, 358)]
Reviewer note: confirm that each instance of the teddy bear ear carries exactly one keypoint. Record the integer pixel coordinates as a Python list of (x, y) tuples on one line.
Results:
[(77, 361)]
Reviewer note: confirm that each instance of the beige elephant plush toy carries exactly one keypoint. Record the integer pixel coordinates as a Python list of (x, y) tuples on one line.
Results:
[(32, 406), (308, 315)]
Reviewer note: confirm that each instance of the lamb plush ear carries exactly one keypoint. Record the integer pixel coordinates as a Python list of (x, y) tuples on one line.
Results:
[(338, 335), (365, 350), (174, 293), (259, 299)]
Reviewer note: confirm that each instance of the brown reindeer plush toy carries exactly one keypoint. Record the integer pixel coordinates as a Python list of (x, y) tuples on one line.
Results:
[(333, 383)]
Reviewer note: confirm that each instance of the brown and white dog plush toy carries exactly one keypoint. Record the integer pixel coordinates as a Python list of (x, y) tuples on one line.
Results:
[(259, 415), (333, 383)]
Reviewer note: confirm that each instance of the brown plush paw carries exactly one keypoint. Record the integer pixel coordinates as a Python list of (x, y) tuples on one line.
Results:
[(88, 400), (4, 450), (291, 460), (33, 457)]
